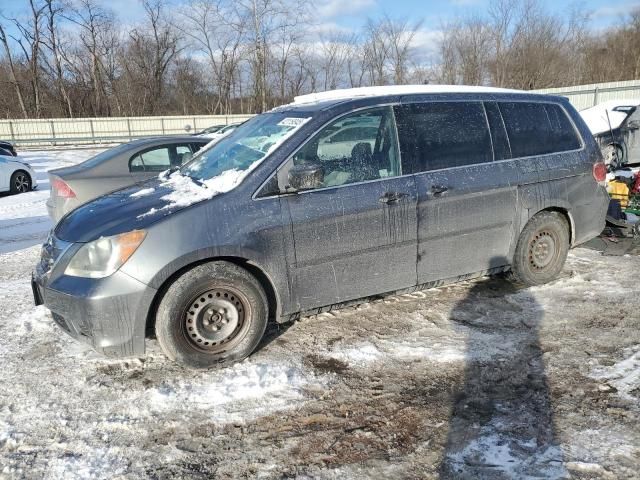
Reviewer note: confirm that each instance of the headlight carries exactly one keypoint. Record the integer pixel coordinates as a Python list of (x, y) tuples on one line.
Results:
[(102, 257)]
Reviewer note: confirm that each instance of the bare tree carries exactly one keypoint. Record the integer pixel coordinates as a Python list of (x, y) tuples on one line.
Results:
[(29, 42), (400, 35), (12, 71), (52, 13), (95, 22), (150, 51), (334, 51), (75, 57)]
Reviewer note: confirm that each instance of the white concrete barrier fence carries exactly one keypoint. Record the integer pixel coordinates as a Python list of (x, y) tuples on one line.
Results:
[(585, 96), (87, 131)]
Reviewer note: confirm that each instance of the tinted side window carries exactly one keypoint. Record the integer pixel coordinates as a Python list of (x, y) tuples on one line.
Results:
[(442, 134), (349, 153), (501, 148), (538, 128)]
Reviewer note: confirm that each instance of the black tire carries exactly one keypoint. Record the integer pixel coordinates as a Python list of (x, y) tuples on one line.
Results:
[(20, 182), (541, 250), (213, 315), (613, 156)]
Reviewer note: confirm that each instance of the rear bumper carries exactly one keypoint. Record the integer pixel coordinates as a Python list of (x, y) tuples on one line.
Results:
[(589, 218), (108, 314)]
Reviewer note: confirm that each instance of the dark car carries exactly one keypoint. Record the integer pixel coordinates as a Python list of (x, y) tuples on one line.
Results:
[(210, 130), (7, 149), (115, 168), (273, 221), (616, 127)]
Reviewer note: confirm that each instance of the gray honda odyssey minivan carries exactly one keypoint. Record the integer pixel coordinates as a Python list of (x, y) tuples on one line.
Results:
[(336, 197)]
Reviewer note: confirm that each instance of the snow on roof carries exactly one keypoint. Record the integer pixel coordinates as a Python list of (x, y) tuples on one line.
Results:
[(596, 117), (349, 93)]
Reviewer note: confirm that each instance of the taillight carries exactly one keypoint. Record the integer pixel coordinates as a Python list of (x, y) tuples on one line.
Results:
[(600, 172), (61, 189)]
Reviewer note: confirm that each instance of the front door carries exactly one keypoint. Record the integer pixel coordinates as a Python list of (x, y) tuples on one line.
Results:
[(355, 235)]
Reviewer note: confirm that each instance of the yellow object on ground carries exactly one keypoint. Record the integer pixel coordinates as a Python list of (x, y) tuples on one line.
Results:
[(619, 191)]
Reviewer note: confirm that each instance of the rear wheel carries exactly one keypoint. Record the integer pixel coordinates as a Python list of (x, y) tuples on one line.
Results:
[(612, 157), (20, 182), (214, 314), (541, 250)]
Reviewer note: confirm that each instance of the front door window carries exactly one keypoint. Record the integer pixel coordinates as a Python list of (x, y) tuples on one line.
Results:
[(355, 148)]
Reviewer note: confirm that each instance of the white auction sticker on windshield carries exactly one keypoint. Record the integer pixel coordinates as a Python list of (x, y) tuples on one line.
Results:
[(293, 122)]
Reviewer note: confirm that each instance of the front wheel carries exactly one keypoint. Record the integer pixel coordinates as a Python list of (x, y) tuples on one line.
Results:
[(541, 250), (20, 182), (214, 314)]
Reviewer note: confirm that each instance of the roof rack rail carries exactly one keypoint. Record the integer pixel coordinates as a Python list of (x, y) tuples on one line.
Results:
[(350, 93)]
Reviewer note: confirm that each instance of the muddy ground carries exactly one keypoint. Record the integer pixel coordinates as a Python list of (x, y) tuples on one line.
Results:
[(474, 380)]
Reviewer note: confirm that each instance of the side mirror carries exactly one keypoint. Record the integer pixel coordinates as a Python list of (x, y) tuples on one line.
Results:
[(306, 176), (634, 124)]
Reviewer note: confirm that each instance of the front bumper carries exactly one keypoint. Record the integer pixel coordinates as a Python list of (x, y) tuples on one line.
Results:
[(108, 314)]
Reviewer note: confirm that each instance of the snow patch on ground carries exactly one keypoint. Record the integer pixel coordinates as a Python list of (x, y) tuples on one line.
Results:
[(402, 350), (623, 375), (239, 393), (38, 319), (24, 220), (512, 457), (360, 355), (83, 467)]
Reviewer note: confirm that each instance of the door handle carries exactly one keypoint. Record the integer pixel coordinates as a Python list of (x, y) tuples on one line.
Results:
[(391, 197), (437, 190)]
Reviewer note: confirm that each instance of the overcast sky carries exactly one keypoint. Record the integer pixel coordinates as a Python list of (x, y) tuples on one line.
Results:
[(349, 15)]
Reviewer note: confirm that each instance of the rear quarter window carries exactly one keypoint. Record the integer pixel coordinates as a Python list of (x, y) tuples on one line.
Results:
[(538, 129)]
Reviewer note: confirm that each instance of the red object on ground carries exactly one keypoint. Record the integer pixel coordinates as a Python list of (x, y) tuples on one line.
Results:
[(636, 184)]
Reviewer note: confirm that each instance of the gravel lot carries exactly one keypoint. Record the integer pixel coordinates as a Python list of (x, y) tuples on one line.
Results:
[(475, 380)]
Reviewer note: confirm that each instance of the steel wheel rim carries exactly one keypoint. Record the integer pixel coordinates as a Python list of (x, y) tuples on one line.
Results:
[(612, 155), (216, 320), (543, 249), (21, 183)]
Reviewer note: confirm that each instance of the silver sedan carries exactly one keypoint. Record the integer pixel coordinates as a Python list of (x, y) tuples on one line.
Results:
[(117, 168)]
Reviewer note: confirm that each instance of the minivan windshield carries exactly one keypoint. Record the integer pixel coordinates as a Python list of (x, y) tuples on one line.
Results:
[(245, 147)]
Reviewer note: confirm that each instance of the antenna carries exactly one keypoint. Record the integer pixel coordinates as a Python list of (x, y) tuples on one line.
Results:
[(615, 149)]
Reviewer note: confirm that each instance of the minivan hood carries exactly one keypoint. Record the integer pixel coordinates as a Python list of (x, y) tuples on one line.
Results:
[(116, 212)]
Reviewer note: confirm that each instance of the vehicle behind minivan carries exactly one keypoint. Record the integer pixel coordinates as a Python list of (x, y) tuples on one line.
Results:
[(334, 198)]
